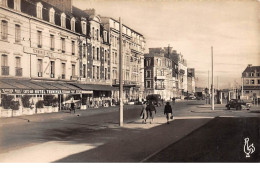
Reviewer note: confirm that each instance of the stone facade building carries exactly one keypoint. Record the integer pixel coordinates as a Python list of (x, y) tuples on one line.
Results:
[(251, 82)]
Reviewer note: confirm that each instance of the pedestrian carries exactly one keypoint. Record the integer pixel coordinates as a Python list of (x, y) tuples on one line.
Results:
[(168, 112), (72, 107), (152, 111), (144, 113)]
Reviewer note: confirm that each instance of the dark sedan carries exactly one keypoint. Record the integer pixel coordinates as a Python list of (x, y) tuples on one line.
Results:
[(237, 104)]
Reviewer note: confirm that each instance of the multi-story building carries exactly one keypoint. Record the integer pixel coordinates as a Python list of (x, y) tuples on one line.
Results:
[(191, 80), (159, 76), (133, 56), (182, 75), (251, 81)]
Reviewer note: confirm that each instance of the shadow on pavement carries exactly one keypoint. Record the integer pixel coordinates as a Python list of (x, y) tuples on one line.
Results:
[(220, 140)]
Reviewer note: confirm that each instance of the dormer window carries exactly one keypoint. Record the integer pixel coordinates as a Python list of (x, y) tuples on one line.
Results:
[(63, 20), (72, 24), (84, 27), (52, 14), (39, 10), (17, 5)]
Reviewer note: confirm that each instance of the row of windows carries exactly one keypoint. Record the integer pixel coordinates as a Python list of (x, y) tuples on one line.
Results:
[(5, 67), (253, 81), (4, 31), (252, 74)]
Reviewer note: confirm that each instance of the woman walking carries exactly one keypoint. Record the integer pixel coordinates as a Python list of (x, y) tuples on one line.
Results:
[(144, 113), (168, 112), (151, 109)]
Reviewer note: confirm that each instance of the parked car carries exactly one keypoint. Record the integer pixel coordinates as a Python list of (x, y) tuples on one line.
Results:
[(190, 98), (238, 104), (155, 98)]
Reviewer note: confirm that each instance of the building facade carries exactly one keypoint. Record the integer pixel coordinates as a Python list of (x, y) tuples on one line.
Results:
[(159, 75), (251, 82), (133, 56), (191, 81)]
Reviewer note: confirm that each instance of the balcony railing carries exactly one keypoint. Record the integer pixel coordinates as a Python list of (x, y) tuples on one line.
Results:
[(18, 71), (159, 87), (5, 70), (125, 82)]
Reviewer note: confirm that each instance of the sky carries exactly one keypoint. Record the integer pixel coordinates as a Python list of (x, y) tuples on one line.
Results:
[(231, 27)]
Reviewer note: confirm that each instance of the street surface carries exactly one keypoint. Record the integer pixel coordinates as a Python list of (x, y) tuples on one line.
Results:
[(197, 134)]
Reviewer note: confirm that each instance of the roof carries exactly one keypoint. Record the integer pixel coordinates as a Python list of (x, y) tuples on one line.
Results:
[(252, 69)]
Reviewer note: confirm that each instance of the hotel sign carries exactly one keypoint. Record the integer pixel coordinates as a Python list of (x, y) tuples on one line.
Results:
[(35, 91), (39, 52)]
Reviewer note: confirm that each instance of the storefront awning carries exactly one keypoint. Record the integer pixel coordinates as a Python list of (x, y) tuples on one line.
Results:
[(94, 87), (17, 86)]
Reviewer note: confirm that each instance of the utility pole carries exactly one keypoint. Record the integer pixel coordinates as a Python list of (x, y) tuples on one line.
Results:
[(121, 108), (212, 85)]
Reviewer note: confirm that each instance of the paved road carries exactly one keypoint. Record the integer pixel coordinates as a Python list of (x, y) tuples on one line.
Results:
[(94, 135)]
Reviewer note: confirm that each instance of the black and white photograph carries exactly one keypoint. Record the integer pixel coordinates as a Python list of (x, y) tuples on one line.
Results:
[(129, 81)]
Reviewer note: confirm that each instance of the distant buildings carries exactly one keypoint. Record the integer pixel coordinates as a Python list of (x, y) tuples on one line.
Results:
[(251, 81), (166, 73)]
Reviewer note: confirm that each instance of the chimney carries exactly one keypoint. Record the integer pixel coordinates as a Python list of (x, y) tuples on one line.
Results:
[(249, 65)]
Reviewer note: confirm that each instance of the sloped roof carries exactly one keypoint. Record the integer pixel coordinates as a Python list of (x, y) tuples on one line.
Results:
[(252, 69)]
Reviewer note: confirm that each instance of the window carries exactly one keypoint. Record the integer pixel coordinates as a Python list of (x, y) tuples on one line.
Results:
[(115, 58), (252, 81), (148, 73), (93, 32), (93, 72), (84, 70), (52, 15), (72, 24), (52, 66), (258, 74), (252, 74), (84, 28), (63, 20), (63, 70), (93, 52), (148, 62), (18, 62), (63, 45), (105, 36), (97, 34), (4, 28), (39, 67), (73, 47), (98, 72), (105, 73), (105, 55), (18, 69), (73, 73), (52, 45), (39, 39), (97, 53), (17, 33), (4, 65), (39, 10), (247, 81), (258, 81), (17, 5), (148, 84), (84, 50)]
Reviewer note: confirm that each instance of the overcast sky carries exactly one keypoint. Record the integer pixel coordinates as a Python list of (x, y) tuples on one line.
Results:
[(192, 27)]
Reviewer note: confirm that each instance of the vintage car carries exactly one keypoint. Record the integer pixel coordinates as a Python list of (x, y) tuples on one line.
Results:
[(155, 98), (237, 104)]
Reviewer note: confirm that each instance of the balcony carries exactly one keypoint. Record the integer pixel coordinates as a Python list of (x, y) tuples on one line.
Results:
[(5, 70), (160, 77), (159, 87), (126, 83), (18, 71)]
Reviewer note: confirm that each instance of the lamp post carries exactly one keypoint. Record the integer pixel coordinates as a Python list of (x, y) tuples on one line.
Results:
[(121, 108), (212, 85)]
